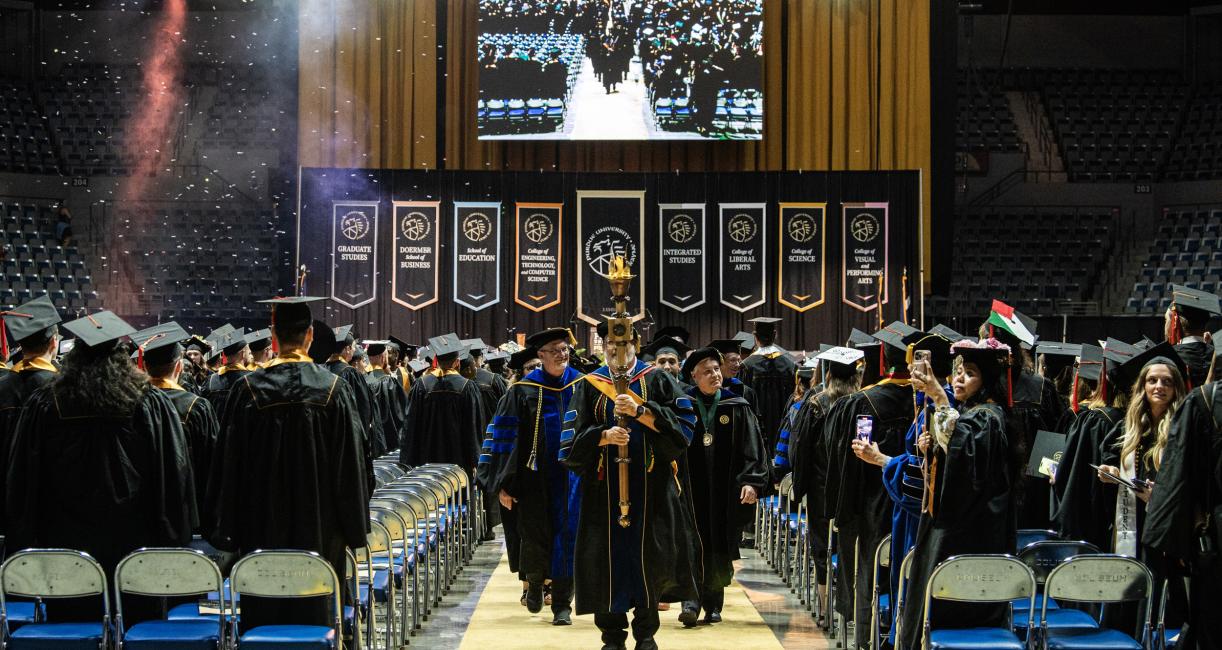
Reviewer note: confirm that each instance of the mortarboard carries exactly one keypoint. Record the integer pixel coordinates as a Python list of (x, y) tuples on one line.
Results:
[(727, 346), (542, 338), (324, 344), (232, 342), (989, 356), (291, 311), (1164, 352), (259, 340), (198, 342), (417, 366), (405, 348), (938, 347), (1196, 307), (475, 347), (32, 320), (841, 362), (1057, 355), (764, 324), (445, 345), (160, 345), (496, 358), (519, 359), (895, 334), (374, 348), (100, 328), (695, 358), (666, 345), (1090, 362), (674, 331), (860, 339), (946, 333), (746, 340)]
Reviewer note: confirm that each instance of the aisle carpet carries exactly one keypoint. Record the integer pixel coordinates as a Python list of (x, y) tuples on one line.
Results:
[(499, 621)]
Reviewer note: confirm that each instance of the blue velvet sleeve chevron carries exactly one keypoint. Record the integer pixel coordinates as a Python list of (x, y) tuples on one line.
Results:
[(687, 416), (781, 459), (566, 435), (499, 437)]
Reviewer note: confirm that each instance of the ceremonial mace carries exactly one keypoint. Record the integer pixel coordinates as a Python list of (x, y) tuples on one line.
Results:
[(619, 336)]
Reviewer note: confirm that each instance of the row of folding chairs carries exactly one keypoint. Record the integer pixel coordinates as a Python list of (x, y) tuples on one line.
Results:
[(424, 525)]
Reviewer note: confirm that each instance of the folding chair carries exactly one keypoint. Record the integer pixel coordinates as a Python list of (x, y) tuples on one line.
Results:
[(166, 572), (471, 504), (354, 614), (981, 579), (427, 533), (880, 603), (1042, 557), (287, 574), (1165, 639), (414, 552), (377, 543), (1098, 579), (902, 588), (1029, 536), (54, 573), (389, 582)]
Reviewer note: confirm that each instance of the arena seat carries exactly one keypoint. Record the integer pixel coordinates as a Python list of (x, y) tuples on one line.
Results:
[(1185, 249)]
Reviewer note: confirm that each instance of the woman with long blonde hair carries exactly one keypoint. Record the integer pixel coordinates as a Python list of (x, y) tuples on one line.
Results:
[(1134, 448)]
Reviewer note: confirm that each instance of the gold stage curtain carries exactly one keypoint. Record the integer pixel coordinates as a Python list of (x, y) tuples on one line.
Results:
[(846, 88)]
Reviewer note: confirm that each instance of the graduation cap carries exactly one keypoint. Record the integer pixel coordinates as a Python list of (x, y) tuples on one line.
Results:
[(197, 342), (1164, 352), (358, 353), (374, 348), (764, 324), (726, 346), (342, 334), (695, 358), (1090, 362), (159, 345), (232, 342), (860, 339), (666, 345), (746, 340), (938, 347), (674, 331), (946, 333), (1196, 307), (519, 359), (217, 333), (895, 333), (405, 348), (292, 312), (496, 359), (445, 345), (1145, 343), (259, 340), (417, 366), (1057, 356), (542, 338), (98, 329), (841, 362), (32, 323), (990, 356), (475, 347), (324, 344)]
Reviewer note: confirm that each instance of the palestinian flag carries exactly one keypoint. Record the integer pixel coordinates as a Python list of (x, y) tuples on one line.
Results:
[(1019, 326)]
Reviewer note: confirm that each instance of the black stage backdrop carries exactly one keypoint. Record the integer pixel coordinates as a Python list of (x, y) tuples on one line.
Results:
[(829, 321)]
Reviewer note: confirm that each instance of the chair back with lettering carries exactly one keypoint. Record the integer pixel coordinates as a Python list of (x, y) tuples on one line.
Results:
[(287, 574), (52, 573), (166, 572), (1045, 556), (983, 579), (1103, 579)]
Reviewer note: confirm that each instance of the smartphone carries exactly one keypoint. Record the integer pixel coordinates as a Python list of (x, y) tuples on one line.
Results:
[(865, 428), (921, 362)]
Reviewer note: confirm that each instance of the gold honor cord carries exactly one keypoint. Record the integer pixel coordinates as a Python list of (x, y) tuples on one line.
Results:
[(619, 337)]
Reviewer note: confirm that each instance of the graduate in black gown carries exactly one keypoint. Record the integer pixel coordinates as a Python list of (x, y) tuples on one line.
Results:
[(769, 372), (1185, 325), (974, 456), (236, 355), (260, 344), (99, 461), (195, 375), (387, 390), (1085, 508), (34, 326), (727, 471), (445, 419), (522, 470), (161, 355), (492, 387), (331, 348), (1055, 362), (657, 557), (1182, 518), (667, 353), (289, 469), (856, 497)]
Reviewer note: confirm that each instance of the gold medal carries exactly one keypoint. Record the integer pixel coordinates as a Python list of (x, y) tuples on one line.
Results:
[(725, 419), (708, 440)]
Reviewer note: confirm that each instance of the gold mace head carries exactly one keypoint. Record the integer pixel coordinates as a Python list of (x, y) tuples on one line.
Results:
[(619, 276)]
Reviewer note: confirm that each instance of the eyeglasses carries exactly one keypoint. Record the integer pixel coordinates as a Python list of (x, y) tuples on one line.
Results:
[(558, 352)]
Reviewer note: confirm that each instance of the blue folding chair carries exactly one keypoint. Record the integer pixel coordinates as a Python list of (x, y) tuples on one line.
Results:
[(979, 579), (1042, 557), (880, 603), (287, 574), (168, 572), (1029, 536), (1098, 579), (54, 573), (1165, 639)]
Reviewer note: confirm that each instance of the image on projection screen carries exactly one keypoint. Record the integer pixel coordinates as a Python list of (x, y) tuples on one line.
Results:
[(620, 69)]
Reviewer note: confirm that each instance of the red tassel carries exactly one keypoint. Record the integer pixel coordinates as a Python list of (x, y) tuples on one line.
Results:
[(1074, 401), (275, 347), (1010, 385), (1176, 334), (224, 361), (3, 342), (882, 361), (140, 357)]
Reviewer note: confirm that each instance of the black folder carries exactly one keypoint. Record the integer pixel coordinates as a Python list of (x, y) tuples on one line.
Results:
[(1048, 444)]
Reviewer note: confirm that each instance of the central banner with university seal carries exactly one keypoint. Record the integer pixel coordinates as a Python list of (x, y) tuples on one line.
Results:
[(416, 242), (801, 269), (477, 254), (681, 245), (864, 262), (536, 284), (354, 252), (609, 223), (744, 231)]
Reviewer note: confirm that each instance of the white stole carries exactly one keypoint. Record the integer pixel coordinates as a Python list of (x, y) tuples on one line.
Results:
[(1126, 511)]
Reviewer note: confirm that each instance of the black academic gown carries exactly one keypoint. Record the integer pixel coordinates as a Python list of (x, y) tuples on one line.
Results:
[(368, 412), (771, 376), (445, 422), (744, 391), (1190, 486), (201, 427), (290, 473), (857, 499), (106, 483), (723, 457), (657, 557), (522, 455), (492, 387), (1085, 508), (15, 390), (388, 394), (1037, 405), (1197, 355), (221, 384), (973, 512)]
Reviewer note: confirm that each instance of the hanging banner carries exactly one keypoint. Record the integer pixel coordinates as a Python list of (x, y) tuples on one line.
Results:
[(609, 223), (801, 264), (354, 252), (477, 250), (743, 268), (536, 284), (416, 250), (681, 245), (864, 261)]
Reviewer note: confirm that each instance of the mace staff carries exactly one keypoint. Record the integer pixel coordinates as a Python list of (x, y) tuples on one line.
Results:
[(619, 337)]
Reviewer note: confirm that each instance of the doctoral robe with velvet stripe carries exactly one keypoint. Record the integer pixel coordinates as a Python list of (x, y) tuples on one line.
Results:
[(744, 391), (658, 557), (522, 454), (780, 460)]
